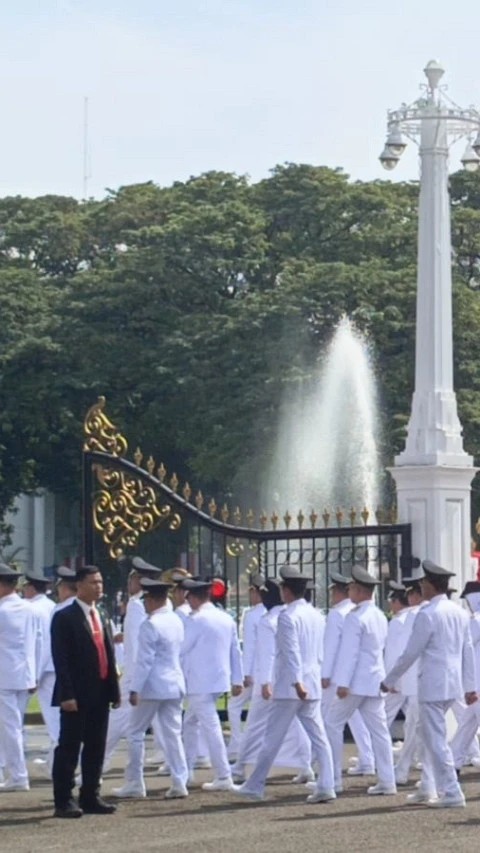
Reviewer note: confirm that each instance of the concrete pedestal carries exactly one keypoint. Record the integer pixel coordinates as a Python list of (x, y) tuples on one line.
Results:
[(436, 501)]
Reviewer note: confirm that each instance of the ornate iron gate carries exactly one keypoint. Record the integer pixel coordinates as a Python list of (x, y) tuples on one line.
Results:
[(122, 501)]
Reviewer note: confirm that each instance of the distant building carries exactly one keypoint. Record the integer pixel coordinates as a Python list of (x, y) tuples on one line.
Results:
[(46, 531)]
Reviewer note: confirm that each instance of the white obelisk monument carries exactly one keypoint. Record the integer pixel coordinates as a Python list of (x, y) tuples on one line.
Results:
[(433, 474)]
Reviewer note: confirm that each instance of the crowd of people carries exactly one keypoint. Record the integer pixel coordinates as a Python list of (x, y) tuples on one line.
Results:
[(301, 677)]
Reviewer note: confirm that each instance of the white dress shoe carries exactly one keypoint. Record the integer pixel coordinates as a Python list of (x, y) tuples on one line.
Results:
[(380, 790), (156, 758), (218, 785), (303, 778), (420, 796), (321, 797), (401, 780), (14, 786), (202, 764), (240, 791), (360, 771), (238, 779), (447, 802), (130, 791), (176, 793), (163, 770)]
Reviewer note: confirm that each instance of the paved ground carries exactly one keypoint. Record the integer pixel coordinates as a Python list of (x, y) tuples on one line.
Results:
[(205, 823)]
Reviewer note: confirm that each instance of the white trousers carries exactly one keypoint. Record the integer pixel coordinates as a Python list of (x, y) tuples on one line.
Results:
[(281, 714), (466, 733), (236, 704), (359, 731), (413, 745), (13, 704), (433, 728), (51, 716), (394, 702), (168, 713), (372, 711), (295, 751), (202, 710), (459, 709), (118, 721)]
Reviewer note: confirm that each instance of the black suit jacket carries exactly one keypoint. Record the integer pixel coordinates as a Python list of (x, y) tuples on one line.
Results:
[(75, 658)]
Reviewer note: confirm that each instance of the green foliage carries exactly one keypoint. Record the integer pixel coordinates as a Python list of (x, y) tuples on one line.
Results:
[(193, 307)]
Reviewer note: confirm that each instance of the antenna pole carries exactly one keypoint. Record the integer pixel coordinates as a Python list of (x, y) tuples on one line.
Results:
[(85, 149)]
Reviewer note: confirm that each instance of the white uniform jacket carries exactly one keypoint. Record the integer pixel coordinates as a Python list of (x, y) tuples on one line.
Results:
[(408, 684), (211, 658), (360, 664), (158, 674), (442, 642), (475, 633), (298, 651), (333, 635), (18, 643), (135, 615), (43, 608), (397, 636), (250, 626), (266, 646), (183, 611), (60, 605)]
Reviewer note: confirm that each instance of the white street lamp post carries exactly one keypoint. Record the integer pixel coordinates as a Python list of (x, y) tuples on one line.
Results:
[(433, 474)]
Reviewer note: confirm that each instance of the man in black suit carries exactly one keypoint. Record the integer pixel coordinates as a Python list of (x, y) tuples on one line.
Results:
[(86, 685)]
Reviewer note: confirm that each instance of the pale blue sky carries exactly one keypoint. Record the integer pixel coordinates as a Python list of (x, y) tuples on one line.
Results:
[(176, 88)]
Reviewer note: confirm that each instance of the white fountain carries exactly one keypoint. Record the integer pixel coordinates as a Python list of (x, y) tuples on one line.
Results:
[(326, 452)]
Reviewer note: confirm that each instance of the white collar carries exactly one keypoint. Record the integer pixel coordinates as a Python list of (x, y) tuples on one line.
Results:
[(87, 608)]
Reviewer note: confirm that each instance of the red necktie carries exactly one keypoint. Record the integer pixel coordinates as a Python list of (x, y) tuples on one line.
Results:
[(99, 642)]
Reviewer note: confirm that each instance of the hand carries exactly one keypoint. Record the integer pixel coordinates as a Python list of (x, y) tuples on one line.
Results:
[(342, 692), (300, 691), (236, 689), (248, 681), (266, 691), (384, 688), (32, 690), (326, 683), (118, 638), (69, 705), (470, 698), (133, 698)]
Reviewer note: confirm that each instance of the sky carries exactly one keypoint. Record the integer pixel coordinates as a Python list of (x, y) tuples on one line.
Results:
[(179, 87)]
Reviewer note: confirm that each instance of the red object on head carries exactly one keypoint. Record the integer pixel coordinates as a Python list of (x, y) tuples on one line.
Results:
[(218, 588)]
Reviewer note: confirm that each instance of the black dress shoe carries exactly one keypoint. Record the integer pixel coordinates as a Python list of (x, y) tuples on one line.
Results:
[(69, 810), (98, 806)]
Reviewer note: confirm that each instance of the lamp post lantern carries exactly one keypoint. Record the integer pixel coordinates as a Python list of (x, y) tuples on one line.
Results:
[(433, 474)]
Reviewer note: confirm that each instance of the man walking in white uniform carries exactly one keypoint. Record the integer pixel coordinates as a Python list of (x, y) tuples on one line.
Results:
[(35, 592), (296, 690), (157, 689), (119, 720), (468, 727), (397, 637), (18, 675), (236, 704), (442, 642), (341, 605), (212, 664), (358, 673)]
